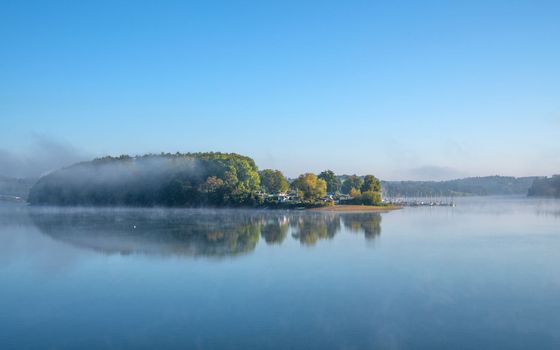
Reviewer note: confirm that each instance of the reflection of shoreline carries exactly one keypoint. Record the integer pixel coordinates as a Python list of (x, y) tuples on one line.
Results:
[(357, 208), (151, 232), (194, 232)]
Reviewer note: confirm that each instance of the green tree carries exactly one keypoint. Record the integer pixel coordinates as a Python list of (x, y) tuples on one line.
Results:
[(351, 182), (212, 184), (333, 183), (371, 184), (273, 181), (354, 192), (310, 187), (368, 198)]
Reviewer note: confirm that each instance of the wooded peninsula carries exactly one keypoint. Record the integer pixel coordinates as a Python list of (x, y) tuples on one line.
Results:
[(210, 179)]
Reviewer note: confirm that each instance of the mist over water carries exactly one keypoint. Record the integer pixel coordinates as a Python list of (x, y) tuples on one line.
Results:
[(481, 275), (41, 156)]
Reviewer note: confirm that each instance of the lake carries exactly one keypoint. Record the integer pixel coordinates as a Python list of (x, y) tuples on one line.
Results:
[(482, 275)]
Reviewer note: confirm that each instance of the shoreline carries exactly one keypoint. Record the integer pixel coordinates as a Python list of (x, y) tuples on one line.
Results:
[(356, 208), (335, 208)]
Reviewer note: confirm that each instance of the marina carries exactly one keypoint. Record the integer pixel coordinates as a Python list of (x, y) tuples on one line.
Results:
[(421, 201)]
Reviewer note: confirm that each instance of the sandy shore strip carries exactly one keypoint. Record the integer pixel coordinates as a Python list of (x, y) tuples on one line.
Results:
[(357, 208)]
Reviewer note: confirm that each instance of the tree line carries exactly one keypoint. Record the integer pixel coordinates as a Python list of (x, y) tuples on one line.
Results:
[(545, 187), (311, 187), (191, 180), (479, 186)]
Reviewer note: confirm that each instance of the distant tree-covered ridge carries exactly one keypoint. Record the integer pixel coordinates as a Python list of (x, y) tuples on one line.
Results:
[(181, 179), (478, 186), (546, 187)]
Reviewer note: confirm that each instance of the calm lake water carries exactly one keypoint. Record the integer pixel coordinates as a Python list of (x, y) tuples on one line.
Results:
[(482, 275)]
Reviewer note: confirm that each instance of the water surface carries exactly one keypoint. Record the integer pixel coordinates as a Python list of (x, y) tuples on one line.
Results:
[(482, 275)]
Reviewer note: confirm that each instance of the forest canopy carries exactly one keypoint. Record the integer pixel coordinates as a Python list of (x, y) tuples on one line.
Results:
[(180, 179), (546, 187), (193, 180)]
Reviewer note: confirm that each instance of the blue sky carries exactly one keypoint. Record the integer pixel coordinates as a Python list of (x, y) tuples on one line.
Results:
[(400, 89)]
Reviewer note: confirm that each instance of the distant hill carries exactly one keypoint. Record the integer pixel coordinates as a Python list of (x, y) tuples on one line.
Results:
[(14, 187), (472, 186), (545, 187)]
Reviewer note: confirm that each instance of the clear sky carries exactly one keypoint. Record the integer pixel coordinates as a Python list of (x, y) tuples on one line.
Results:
[(400, 89)]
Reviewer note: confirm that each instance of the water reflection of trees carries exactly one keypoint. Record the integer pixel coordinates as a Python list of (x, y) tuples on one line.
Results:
[(194, 232), (309, 229), (214, 233), (369, 224), (274, 230)]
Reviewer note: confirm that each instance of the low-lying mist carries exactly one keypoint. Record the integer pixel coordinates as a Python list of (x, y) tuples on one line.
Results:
[(43, 155)]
